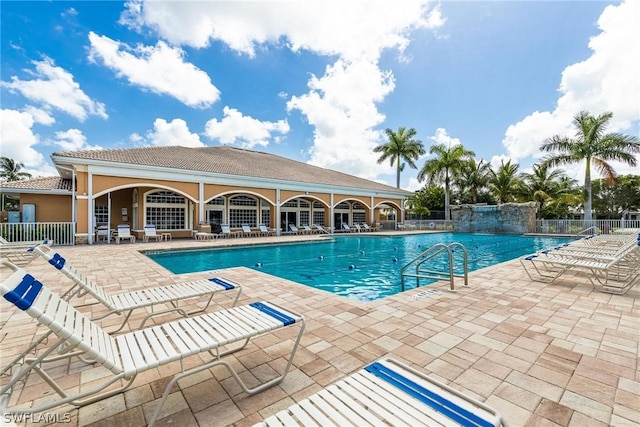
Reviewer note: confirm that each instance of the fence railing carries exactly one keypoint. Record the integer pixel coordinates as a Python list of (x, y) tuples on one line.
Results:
[(427, 224), (62, 233), (575, 226)]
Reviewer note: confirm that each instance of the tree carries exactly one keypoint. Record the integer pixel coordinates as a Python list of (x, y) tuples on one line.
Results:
[(505, 183), (443, 167), (542, 185), (472, 179), (10, 170), (613, 201), (592, 145), (426, 200), (401, 147)]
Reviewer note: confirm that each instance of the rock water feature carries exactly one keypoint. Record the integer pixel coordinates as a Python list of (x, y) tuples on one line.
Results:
[(515, 218)]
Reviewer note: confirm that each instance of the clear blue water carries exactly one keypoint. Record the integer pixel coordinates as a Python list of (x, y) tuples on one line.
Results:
[(364, 268)]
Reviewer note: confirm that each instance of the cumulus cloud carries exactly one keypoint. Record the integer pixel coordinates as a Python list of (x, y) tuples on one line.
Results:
[(161, 69), (606, 81), (442, 137), (55, 88), (18, 137), (341, 104), (243, 131), (39, 115), (72, 140), (175, 132)]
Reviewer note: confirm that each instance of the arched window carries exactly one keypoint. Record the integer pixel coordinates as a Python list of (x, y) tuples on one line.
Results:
[(166, 210), (243, 210)]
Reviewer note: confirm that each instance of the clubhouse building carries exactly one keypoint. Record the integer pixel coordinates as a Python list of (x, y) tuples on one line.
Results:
[(179, 188)]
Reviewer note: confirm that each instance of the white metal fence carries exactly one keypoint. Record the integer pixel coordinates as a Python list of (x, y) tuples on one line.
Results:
[(61, 233), (574, 226), (427, 224)]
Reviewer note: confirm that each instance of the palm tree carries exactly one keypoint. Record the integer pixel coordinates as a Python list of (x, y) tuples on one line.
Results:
[(594, 146), (542, 185), (505, 183), (472, 178), (401, 147), (443, 167), (10, 170)]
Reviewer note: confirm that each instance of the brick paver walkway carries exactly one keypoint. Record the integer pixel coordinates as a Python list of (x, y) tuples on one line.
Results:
[(561, 355)]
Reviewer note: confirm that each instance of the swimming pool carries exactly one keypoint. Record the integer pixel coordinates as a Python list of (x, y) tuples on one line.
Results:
[(360, 267)]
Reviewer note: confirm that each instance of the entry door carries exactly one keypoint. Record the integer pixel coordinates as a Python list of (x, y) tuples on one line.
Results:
[(339, 218), (215, 217), (287, 218)]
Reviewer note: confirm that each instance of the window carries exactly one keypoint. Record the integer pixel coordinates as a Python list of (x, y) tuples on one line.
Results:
[(243, 210), (166, 210), (318, 217), (102, 214)]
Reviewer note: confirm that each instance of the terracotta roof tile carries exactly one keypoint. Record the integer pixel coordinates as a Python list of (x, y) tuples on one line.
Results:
[(45, 183), (229, 161)]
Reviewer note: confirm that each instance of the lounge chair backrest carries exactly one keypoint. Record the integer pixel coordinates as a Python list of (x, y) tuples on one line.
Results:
[(3, 240), (246, 228), (124, 231), (306, 227), (225, 228), (31, 296), (293, 228), (263, 228), (150, 230), (345, 226), (87, 285)]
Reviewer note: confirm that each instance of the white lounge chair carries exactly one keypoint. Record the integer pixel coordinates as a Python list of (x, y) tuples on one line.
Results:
[(264, 231), (127, 355), (150, 233), (226, 231), (124, 233), (21, 253), (346, 228), (246, 230), (159, 300), (294, 229), (387, 393), (321, 229), (608, 273)]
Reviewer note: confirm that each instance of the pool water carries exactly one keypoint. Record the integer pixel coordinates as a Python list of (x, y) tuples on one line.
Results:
[(359, 267)]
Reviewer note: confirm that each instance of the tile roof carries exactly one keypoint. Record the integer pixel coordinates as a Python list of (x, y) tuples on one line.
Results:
[(46, 183), (229, 161)]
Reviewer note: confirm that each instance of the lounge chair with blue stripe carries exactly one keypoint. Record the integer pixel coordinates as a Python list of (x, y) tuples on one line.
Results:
[(388, 393), (159, 300), (21, 253), (218, 333)]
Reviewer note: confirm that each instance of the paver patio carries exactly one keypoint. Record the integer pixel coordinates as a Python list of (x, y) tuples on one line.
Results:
[(560, 355)]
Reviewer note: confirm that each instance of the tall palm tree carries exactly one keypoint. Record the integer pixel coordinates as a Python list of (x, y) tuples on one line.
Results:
[(10, 170), (542, 185), (594, 146), (443, 167), (505, 183), (401, 147), (472, 178)]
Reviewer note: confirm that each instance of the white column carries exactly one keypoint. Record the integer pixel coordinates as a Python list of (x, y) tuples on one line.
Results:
[(200, 202), (331, 219), (90, 209), (278, 230)]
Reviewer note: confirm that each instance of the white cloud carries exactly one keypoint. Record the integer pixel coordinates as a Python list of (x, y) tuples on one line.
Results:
[(72, 140), (39, 115), (158, 68), (244, 131), (352, 30), (175, 132), (341, 104), (606, 81), (413, 184), (55, 88), (442, 137), (18, 137)]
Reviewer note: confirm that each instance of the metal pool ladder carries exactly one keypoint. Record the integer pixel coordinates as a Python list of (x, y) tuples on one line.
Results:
[(429, 254)]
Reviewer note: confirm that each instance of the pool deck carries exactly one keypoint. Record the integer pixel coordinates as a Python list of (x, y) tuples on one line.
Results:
[(541, 355)]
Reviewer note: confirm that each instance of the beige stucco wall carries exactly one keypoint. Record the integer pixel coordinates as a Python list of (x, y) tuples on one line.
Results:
[(49, 207)]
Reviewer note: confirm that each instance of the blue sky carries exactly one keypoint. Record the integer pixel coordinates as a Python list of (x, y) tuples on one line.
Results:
[(316, 81)]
